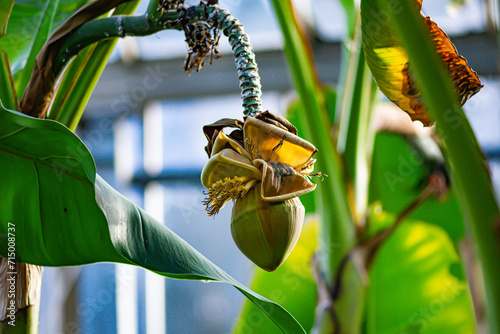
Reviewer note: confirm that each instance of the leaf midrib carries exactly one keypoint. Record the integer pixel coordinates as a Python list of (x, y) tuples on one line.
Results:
[(46, 164)]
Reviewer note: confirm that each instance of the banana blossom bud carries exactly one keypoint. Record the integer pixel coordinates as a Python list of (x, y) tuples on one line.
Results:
[(264, 166)]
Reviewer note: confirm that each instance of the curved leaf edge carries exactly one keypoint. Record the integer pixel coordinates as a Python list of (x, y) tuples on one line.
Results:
[(129, 246)]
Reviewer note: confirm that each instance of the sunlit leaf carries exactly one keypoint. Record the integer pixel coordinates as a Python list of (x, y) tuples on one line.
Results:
[(417, 286), (398, 176), (391, 68), (469, 172), (62, 213)]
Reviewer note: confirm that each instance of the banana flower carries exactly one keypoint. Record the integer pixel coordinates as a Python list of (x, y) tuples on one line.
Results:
[(263, 166)]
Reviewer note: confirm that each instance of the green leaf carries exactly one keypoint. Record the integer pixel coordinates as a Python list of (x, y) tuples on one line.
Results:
[(81, 75), (61, 213), (292, 285), (31, 23), (469, 172), (398, 176), (4, 15), (414, 287)]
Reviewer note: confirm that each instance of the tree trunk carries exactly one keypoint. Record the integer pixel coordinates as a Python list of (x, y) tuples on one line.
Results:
[(20, 286)]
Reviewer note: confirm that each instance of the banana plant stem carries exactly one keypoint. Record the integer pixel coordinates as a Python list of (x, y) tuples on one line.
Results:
[(356, 137), (147, 24)]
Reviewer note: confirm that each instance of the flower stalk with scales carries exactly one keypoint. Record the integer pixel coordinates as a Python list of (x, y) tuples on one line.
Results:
[(263, 166)]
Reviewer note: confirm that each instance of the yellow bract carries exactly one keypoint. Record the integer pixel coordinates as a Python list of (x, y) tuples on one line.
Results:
[(277, 160), (271, 143)]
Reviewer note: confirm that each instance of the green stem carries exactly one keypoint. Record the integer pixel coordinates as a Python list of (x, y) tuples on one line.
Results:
[(350, 9), (122, 26), (102, 29), (26, 321), (8, 95), (338, 235), (462, 152), (351, 55), (21, 290), (356, 135), (153, 12)]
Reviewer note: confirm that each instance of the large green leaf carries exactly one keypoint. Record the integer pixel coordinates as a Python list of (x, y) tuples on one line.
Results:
[(60, 213), (31, 23), (292, 285), (468, 168), (398, 176), (417, 284)]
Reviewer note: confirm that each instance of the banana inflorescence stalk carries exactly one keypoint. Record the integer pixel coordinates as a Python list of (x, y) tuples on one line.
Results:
[(120, 26)]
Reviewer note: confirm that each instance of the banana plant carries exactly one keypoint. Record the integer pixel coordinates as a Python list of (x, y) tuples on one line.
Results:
[(380, 251), (392, 216), (57, 211)]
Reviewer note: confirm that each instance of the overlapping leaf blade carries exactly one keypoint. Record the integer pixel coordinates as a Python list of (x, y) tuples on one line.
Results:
[(391, 66), (30, 24), (63, 214), (399, 175), (417, 284)]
